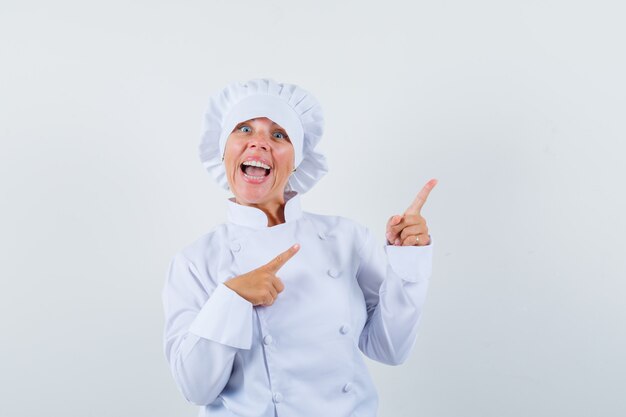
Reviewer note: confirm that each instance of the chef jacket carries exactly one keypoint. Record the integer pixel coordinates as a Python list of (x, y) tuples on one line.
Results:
[(344, 294)]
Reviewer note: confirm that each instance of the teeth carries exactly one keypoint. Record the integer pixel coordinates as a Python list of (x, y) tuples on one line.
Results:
[(252, 176), (257, 164)]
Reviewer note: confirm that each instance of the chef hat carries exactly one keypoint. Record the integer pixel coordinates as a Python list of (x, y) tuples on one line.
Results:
[(288, 105)]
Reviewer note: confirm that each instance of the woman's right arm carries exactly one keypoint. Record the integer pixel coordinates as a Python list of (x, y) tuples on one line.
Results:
[(205, 326)]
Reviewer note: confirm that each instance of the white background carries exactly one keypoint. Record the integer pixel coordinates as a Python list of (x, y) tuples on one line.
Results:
[(516, 107)]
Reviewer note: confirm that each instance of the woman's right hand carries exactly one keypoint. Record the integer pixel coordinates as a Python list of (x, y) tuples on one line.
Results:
[(261, 286)]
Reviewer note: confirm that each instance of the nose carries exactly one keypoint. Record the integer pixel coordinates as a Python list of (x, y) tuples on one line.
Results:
[(260, 140)]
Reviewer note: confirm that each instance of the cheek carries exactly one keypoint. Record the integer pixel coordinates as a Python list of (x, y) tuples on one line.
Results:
[(229, 161), (231, 153), (287, 157), (229, 166)]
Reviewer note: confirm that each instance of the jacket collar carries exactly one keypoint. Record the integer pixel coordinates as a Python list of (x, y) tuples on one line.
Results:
[(256, 218)]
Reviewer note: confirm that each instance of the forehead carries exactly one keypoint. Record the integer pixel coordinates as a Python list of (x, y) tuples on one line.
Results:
[(263, 120)]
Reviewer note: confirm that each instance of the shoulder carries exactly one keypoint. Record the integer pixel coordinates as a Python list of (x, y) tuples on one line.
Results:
[(205, 243), (198, 258)]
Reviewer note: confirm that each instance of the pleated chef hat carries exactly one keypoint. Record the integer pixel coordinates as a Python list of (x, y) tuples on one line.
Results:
[(288, 105)]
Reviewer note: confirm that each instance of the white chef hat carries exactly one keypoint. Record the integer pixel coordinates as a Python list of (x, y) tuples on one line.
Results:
[(288, 105)]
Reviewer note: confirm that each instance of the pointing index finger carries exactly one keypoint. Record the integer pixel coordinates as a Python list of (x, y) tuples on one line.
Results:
[(275, 264), (418, 203)]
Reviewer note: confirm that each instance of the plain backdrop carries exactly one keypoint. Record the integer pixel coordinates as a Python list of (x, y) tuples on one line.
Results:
[(516, 107)]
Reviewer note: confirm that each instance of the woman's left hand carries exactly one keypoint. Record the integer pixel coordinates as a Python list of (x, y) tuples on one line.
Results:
[(410, 228)]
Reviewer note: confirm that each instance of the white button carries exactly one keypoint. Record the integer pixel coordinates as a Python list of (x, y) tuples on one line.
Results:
[(322, 235), (344, 329), (236, 247), (278, 397), (267, 339), (333, 272), (347, 387)]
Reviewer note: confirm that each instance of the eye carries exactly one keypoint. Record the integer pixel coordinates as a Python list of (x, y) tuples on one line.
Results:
[(279, 135), (245, 128)]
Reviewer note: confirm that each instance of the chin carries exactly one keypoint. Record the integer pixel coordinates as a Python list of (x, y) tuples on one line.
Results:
[(251, 196)]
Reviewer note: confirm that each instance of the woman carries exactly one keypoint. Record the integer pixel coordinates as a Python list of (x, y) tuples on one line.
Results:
[(267, 314)]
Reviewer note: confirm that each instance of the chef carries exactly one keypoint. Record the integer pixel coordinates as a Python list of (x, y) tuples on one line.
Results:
[(269, 314)]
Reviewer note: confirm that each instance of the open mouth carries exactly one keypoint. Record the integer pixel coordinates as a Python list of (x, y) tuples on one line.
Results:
[(255, 169)]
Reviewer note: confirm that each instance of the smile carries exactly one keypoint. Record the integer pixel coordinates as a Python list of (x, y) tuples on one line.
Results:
[(255, 171)]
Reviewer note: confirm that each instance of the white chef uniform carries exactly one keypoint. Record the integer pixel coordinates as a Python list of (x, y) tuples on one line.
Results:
[(344, 294)]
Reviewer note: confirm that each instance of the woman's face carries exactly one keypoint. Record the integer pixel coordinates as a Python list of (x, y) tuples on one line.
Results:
[(259, 158)]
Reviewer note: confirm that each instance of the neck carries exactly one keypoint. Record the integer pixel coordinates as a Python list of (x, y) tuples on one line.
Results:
[(274, 211)]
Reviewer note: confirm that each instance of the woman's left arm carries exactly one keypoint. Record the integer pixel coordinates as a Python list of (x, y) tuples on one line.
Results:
[(394, 281)]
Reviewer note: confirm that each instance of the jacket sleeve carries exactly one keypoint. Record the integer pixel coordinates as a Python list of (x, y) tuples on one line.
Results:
[(205, 326), (394, 281)]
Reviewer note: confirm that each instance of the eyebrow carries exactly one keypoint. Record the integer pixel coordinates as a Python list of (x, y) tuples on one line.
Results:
[(250, 120)]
